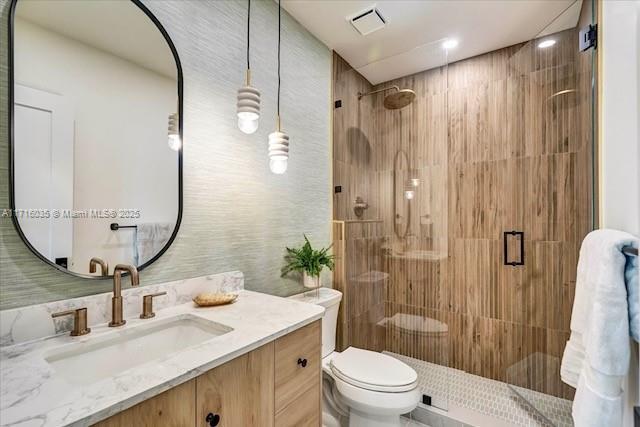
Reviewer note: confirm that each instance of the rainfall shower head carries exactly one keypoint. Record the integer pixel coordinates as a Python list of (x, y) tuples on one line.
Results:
[(400, 98)]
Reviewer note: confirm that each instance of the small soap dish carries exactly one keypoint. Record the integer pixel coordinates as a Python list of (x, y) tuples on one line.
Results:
[(209, 299)]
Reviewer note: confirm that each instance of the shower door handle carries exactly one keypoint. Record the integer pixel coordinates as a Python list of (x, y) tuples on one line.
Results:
[(505, 238)]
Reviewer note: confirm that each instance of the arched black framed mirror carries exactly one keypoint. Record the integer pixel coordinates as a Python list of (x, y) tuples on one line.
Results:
[(95, 102)]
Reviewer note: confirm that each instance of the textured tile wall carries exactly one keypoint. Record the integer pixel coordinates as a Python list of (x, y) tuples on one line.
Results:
[(237, 215), (494, 150)]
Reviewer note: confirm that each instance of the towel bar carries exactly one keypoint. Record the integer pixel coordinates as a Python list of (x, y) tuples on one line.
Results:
[(115, 226), (630, 250)]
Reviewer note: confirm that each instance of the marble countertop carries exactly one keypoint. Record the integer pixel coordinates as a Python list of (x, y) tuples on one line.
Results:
[(33, 395)]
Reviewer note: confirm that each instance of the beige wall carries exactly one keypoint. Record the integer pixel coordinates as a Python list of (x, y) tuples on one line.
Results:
[(620, 141), (620, 112), (237, 214)]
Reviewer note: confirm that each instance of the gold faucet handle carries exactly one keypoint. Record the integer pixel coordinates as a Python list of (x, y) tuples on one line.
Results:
[(147, 305), (79, 320)]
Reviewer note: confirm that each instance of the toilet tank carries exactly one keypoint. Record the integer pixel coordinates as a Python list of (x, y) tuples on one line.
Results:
[(330, 300)]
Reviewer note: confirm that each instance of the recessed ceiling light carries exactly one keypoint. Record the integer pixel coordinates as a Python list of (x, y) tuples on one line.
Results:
[(546, 43), (450, 44)]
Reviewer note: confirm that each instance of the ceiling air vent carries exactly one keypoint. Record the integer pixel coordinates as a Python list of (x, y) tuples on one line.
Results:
[(368, 21)]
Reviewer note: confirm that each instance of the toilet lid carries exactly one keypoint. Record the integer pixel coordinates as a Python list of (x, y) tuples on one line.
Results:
[(373, 371)]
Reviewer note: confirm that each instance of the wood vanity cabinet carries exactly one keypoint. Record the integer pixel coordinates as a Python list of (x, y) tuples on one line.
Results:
[(174, 407), (277, 384), (298, 377), (240, 392)]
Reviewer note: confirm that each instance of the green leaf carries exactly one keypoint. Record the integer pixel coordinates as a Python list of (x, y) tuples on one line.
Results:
[(306, 259)]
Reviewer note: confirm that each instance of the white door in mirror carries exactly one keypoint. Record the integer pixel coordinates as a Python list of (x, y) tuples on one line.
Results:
[(44, 149)]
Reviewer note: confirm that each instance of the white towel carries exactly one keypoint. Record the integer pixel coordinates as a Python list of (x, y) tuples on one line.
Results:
[(150, 239), (596, 357)]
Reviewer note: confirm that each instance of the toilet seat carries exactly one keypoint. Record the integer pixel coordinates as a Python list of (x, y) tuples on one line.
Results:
[(373, 371), (377, 403)]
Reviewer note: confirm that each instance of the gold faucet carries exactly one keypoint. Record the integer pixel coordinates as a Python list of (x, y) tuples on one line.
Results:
[(116, 300), (104, 266)]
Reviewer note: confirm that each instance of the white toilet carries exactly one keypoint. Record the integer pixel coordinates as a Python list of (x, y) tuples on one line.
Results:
[(370, 388)]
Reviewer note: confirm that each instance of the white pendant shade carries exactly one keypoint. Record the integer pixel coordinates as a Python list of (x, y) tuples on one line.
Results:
[(248, 126), (174, 142), (173, 133), (278, 152), (278, 140), (248, 109)]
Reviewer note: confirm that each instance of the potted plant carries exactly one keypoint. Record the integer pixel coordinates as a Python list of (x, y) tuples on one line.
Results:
[(309, 261)]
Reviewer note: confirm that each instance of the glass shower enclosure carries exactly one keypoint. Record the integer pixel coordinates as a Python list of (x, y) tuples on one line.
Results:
[(458, 218)]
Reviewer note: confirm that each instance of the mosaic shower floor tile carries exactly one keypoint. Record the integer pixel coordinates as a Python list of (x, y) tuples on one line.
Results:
[(449, 387), (406, 422)]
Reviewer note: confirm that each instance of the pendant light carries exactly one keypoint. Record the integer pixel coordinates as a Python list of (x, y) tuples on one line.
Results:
[(248, 97), (278, 140), (173, 133)]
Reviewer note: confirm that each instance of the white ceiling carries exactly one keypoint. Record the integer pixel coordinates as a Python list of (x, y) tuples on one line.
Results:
[(114, 26), (412, 39)]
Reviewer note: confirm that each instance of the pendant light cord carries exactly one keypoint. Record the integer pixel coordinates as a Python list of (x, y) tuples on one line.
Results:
[(279, 13), (248, 32)]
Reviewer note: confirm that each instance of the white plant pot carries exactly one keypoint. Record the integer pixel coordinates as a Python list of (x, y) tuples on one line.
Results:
[(311, 282)]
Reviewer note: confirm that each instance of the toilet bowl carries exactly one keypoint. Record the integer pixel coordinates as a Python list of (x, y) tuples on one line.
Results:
[(366, 387)]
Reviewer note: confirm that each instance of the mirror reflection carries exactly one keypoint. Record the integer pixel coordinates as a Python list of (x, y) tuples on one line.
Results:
[(96, 143)]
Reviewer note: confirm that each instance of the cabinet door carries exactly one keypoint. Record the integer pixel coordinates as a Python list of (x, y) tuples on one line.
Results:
[(238, 393), (302, 412), (298, 359), (173, 408)]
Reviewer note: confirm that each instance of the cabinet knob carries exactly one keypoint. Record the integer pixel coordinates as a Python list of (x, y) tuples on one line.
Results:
[(213, 419), (302, 362)]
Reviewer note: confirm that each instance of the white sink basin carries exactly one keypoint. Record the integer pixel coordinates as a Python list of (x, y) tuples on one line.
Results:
[(93, 360)]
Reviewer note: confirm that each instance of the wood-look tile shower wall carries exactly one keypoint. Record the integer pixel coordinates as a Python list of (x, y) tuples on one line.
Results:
[(494, 150)]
